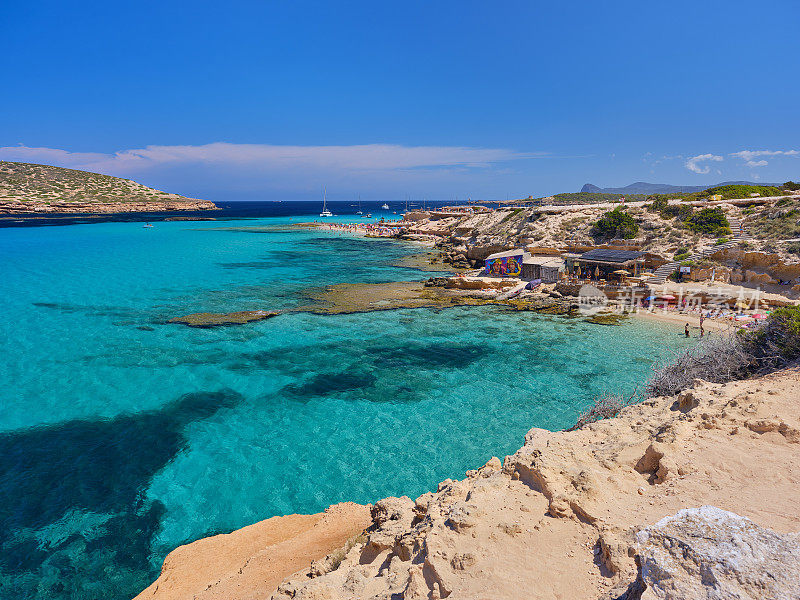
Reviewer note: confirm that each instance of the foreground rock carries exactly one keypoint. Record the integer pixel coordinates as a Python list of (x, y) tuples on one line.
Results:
[(205, 320), (711, 553), (252, 561)]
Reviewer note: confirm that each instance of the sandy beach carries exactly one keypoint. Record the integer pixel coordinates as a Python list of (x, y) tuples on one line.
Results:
[(680, 320)]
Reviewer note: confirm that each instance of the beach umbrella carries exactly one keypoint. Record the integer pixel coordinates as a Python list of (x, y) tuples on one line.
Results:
[(648, 274), (622, 272), (579, 272), (597, 271), (667, 297)]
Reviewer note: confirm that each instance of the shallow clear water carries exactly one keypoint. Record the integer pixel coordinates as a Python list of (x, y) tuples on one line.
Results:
[(122, 437)]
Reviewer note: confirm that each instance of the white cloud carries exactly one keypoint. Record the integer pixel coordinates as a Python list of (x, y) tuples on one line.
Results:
[(365, 157), (693, 163), (749, 156)]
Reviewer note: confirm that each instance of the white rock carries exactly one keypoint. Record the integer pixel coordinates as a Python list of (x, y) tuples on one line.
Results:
[(712, 554)]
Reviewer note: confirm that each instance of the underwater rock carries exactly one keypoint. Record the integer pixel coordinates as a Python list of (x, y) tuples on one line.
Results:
[(205, 320)]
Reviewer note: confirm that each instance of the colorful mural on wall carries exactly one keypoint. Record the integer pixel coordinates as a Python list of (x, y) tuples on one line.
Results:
[(506, 266)]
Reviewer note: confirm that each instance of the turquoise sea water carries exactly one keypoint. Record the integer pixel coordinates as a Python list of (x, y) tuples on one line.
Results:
[(122, 436)]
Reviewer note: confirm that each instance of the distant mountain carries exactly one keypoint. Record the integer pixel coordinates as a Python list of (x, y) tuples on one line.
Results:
[(641, 187)]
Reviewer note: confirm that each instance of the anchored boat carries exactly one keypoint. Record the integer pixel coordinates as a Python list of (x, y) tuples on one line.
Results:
[(325, 212)]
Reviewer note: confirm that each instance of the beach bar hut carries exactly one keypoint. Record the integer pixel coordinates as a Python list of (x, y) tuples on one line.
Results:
[(605, 262), (505, 264), (546, 268)]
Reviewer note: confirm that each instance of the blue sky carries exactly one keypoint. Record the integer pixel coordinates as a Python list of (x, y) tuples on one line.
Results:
[(273, 100)]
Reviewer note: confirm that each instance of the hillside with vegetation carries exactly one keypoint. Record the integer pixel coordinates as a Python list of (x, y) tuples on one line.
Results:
[(641, 187), (32, 188), (591, 194), (588, 198)]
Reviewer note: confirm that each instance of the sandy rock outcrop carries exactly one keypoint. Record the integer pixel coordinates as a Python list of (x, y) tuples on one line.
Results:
[(720, 274), (711, 553), (754, 264), (250, 562), (558, 519)]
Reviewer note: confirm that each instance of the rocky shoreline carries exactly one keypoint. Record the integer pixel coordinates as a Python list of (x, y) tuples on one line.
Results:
[(574, 514), (21, 209)]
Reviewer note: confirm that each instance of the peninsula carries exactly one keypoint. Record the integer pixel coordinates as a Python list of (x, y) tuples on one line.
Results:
[(29, 189)]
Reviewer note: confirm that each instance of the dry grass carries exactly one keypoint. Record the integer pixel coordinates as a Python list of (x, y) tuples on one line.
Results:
[(606, 406), (335, 559)]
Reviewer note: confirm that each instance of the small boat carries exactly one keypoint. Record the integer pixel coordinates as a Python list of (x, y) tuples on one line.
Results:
[(359, 205), (325, 212), (385, 206), (368, 216), (147, 225)]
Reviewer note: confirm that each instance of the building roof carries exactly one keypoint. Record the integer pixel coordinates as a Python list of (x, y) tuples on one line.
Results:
[(545, 261), (515, 252), (612, 256)]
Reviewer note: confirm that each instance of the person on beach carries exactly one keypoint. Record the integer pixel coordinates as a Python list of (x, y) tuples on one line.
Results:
[(686, 330)]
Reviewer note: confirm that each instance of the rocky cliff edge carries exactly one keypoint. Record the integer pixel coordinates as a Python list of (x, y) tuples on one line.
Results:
[(561, 516)]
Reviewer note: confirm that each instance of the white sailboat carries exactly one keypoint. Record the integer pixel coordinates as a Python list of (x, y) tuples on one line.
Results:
[(385, 206), (359, 205), (325, 212)]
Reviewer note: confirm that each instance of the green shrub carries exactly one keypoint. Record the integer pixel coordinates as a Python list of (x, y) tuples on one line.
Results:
[(791, 185), (658, 202), (615, 223), (722, 240), (710, 221), (682, 256), (777, 342), (741, 191), (793, 248), (681, 211)]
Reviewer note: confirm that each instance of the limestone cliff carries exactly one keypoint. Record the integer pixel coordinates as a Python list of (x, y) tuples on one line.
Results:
[(559, 518)]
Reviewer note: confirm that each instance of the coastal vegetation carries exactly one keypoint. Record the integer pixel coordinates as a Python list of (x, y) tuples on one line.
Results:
[(718, 359), (605, 406), (615, 224), (777, 223), (711, 221), (728, 357), (741, 191), (590, 198)]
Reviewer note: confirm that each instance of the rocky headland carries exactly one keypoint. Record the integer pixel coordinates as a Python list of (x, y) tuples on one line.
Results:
[(30, 189), (766, 255), (584, 514)]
